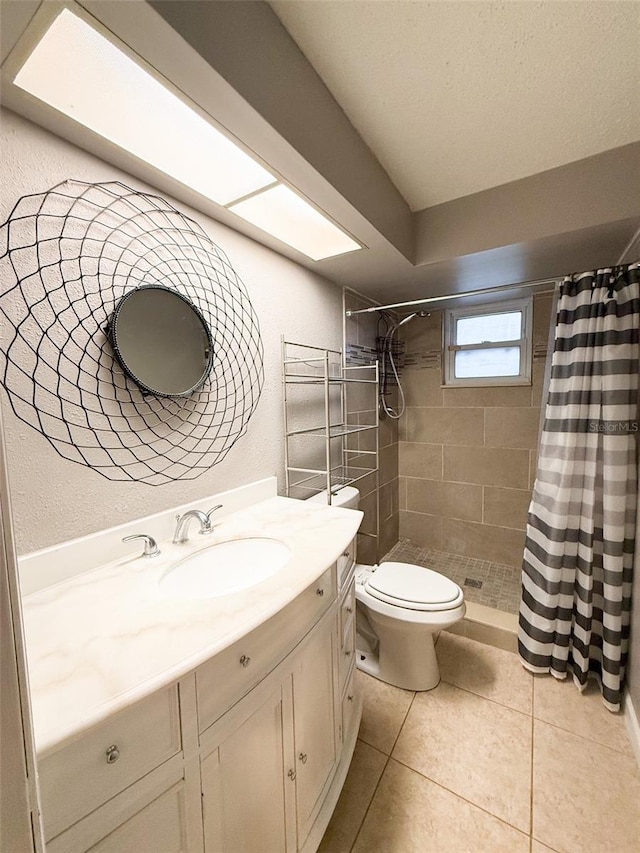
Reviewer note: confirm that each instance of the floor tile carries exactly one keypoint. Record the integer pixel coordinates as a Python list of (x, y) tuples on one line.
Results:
[(485, 671), (474, 747), (363, 776), (385, 708), (563, 705), (586, 797), (537, 847), (410, 814)]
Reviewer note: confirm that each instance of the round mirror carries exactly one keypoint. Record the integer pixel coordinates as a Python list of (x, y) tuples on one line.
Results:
[(162, 341)]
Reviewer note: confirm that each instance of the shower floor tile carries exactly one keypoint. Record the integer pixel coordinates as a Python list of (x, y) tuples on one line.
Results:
[(491, 584)]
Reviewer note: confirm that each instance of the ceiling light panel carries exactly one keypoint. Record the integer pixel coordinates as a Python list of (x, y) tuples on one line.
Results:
[(79, 72), (285, 215)]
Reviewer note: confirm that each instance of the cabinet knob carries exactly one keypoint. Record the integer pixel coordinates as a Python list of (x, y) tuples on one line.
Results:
[(345, 553), (349, 609), (320, 592), (347, 653), (350, 698), (291, 774), (245, 661), (303, 757), (113, 754)]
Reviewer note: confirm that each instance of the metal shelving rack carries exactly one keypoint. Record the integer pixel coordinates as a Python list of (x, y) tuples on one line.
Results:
[(325, 368)]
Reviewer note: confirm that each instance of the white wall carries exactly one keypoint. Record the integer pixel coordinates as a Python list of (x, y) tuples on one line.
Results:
[(54, 499)]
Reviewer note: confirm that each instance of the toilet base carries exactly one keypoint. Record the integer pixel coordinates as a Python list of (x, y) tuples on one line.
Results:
[(410, 673)]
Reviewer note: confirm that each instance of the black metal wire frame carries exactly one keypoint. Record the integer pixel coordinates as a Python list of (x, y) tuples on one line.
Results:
[(67, 256)]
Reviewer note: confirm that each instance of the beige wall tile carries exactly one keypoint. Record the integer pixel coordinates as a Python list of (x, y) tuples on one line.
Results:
[(435, 497), (388, 535), (384, 710), (366, 768), (422, 386), (474, 747), (511, 427), (542, 317), (402, 492), (483, 541), (533, 467), (367, 550), (537, 386), (410, 814), (497, 395), (388, 462), (423, 333), (599, 806), (445, 426), (506, 507), (388, 432), (422, 530), (420, 460), (388, 498), (486, 671), (369, 506), (487, 466)]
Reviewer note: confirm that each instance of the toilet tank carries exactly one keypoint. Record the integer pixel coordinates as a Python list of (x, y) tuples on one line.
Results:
[(347, 497)]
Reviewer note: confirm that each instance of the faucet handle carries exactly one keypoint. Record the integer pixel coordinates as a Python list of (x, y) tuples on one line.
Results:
[(207, 527), (212, 510), (150, 545)]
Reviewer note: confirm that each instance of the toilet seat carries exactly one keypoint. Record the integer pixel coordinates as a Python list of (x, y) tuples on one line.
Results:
[(413, 587)]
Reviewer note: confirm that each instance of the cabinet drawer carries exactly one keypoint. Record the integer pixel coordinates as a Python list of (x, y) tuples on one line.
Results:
[(86, 773), (234, 671), (348, 606), (347, 652), (349, 704), (345, 562)]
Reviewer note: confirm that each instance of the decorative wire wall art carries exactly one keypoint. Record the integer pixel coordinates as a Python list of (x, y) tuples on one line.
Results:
[(67, 256)]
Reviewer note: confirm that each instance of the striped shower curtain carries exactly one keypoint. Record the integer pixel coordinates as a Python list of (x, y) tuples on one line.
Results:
[(578, 558)]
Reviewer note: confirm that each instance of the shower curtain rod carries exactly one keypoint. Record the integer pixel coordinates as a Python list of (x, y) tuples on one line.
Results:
[(429, 299)]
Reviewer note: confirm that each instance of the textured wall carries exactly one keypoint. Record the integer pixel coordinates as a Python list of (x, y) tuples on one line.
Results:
[(53, 499), (467, 456)]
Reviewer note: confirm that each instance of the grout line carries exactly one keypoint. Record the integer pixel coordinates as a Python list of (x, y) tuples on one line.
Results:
[(531, 777), (585, 738), (486, 698), (386, 764), (461, 797)]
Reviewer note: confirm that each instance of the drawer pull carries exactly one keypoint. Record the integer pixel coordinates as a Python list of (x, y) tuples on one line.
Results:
[(245, 661), (303, 757), (349, 609), (113, 754), (320, 592), (345, 554), (291, 774), (347, 653), (350, 698)]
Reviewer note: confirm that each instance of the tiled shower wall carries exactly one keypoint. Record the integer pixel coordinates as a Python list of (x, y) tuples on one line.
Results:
[(382, 496), (467, 456)]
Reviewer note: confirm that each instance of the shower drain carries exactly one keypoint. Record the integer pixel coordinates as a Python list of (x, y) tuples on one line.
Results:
[(473, 582)]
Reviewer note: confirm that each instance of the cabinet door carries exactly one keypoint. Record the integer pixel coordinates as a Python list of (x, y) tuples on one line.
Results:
[(243, 785), (314, 724)]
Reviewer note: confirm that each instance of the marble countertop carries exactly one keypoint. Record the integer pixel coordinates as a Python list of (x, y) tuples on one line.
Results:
[(108, 637)]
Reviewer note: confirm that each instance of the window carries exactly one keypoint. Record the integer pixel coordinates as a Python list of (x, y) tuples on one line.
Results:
[(488, 345)]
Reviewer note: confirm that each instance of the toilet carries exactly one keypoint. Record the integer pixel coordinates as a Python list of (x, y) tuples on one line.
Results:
[(399, 609)]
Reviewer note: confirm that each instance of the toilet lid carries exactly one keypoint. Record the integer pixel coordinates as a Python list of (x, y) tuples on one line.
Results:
[(413, 587)]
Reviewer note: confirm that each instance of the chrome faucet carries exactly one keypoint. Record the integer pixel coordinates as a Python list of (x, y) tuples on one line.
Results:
[(183, 522)]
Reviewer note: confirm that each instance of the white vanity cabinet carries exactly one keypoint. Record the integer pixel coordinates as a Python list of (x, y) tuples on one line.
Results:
[(246, 754), (268, 762)]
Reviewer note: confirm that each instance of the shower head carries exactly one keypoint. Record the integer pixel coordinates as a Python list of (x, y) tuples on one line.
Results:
[(411, 316)]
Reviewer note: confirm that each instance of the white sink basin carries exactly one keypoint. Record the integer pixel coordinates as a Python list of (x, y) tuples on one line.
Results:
[(225, 568)]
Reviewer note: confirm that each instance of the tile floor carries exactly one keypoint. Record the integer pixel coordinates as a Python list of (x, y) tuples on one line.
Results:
[(483, 582), (493, 760)]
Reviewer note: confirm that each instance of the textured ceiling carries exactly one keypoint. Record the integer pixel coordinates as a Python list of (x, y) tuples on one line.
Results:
[(457, 97)]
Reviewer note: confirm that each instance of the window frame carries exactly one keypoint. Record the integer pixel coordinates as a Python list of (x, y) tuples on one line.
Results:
[(450, 347)]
